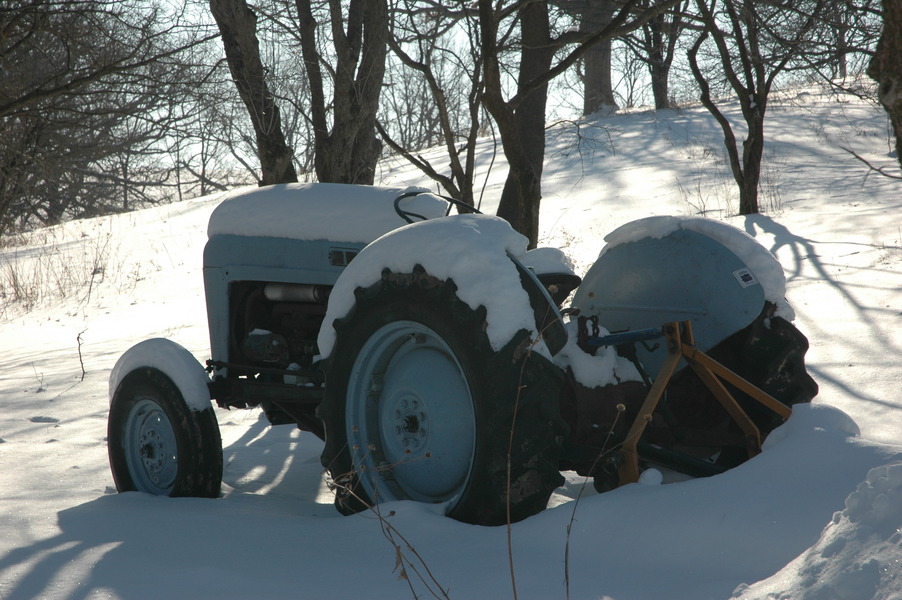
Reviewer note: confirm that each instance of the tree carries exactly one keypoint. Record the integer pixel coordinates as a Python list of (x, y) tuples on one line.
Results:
[(210, 145), (886, 68), (598, 88), (521, 122), (238, 28), (846, 32), (655, 44), (521, 118), (347, 150), (754, 43), (428, 42), (84, 105)]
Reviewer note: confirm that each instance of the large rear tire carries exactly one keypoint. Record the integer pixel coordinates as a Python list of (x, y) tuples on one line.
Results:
[(418, 406), (769, 353), (158, 444)]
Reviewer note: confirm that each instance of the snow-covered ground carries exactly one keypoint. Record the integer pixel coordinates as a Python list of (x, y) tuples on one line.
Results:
[(818, 515)]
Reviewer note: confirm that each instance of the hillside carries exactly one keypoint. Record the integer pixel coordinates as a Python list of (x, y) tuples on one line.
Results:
[(817, 515)]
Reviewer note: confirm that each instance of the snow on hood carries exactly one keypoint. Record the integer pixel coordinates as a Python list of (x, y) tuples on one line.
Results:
[(319, 211), (762, 263), (469, 249)]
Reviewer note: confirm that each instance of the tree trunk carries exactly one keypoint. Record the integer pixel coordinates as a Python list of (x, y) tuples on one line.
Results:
[(659, 60), (886, 68), (348, 151), (238, 26), (752, 155), (599, 89), (523, 127), (751, 82), (521, 120), (660, 85)]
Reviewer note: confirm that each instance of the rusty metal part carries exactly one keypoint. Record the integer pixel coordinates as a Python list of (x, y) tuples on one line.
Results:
[(680, 345)]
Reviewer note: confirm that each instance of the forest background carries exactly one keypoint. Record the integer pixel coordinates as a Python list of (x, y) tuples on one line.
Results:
[(110, 106)]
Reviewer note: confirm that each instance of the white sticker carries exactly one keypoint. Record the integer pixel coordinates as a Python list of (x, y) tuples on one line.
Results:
[(745, 277)]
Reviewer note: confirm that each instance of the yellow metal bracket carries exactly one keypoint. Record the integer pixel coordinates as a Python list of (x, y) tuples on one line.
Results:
[(680, 345)]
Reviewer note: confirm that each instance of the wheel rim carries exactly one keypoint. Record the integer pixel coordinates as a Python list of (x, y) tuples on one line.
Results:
[(151, 450), (410, 417)]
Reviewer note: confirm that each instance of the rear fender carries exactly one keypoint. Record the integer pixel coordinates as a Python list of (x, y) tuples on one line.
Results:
[(545, 312), (480, 254), (683, 275)]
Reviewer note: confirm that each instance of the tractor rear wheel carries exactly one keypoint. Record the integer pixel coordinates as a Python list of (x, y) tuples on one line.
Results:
[(418, 406), (770, 354)]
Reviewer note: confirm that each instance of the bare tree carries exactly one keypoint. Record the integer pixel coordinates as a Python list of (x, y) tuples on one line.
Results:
[(886, 68), (845, 35), (521, 123), (439, 45), (631, 88), (655, 44), (346, 150), (598, 90), (595, 66), (754, 43), (521, 117), (49, 49), (212, 144), (238, 27), (84, 105)]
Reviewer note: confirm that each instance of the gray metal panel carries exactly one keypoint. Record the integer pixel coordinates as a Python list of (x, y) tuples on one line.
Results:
[(684, 275), (230, 258), (309, 255), (216, 288)]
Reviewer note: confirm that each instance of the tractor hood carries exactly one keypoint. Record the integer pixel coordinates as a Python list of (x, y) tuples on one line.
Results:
[(318, 211)]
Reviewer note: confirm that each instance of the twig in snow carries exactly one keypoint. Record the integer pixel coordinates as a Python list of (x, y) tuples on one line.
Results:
[(404, 565), (80, 359), (40, 379)]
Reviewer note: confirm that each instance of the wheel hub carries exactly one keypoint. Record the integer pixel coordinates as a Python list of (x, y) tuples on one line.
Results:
[(409, 416), (151, 448), (410, 425), (151, 453)]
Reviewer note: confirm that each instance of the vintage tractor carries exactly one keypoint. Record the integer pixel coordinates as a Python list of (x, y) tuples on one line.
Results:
[(435, 357)]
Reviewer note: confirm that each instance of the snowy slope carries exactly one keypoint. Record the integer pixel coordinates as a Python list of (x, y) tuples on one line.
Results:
[(817, 516)]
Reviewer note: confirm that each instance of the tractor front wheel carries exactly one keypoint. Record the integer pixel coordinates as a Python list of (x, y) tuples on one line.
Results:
[(157, 443)]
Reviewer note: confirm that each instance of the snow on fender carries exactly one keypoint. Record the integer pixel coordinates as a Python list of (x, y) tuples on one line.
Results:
[(469, 249), (172, 359)]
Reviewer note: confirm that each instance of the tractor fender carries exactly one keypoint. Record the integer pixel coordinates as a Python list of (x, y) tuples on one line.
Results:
[(172, 360), (480, 254), (662, 269)]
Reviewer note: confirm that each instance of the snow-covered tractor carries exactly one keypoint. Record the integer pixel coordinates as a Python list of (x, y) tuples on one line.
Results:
[(442, 362)]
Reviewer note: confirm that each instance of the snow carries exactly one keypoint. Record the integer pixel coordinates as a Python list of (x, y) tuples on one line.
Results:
[(178, 364), (816, 516), (469, 249), (602, 369), (319, 211), (547, 261), (857, 554)]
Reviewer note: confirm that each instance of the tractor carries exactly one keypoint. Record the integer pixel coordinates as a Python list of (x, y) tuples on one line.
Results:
[(440, 361)]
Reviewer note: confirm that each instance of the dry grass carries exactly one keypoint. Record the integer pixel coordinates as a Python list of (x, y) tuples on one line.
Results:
[(52, 264)]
